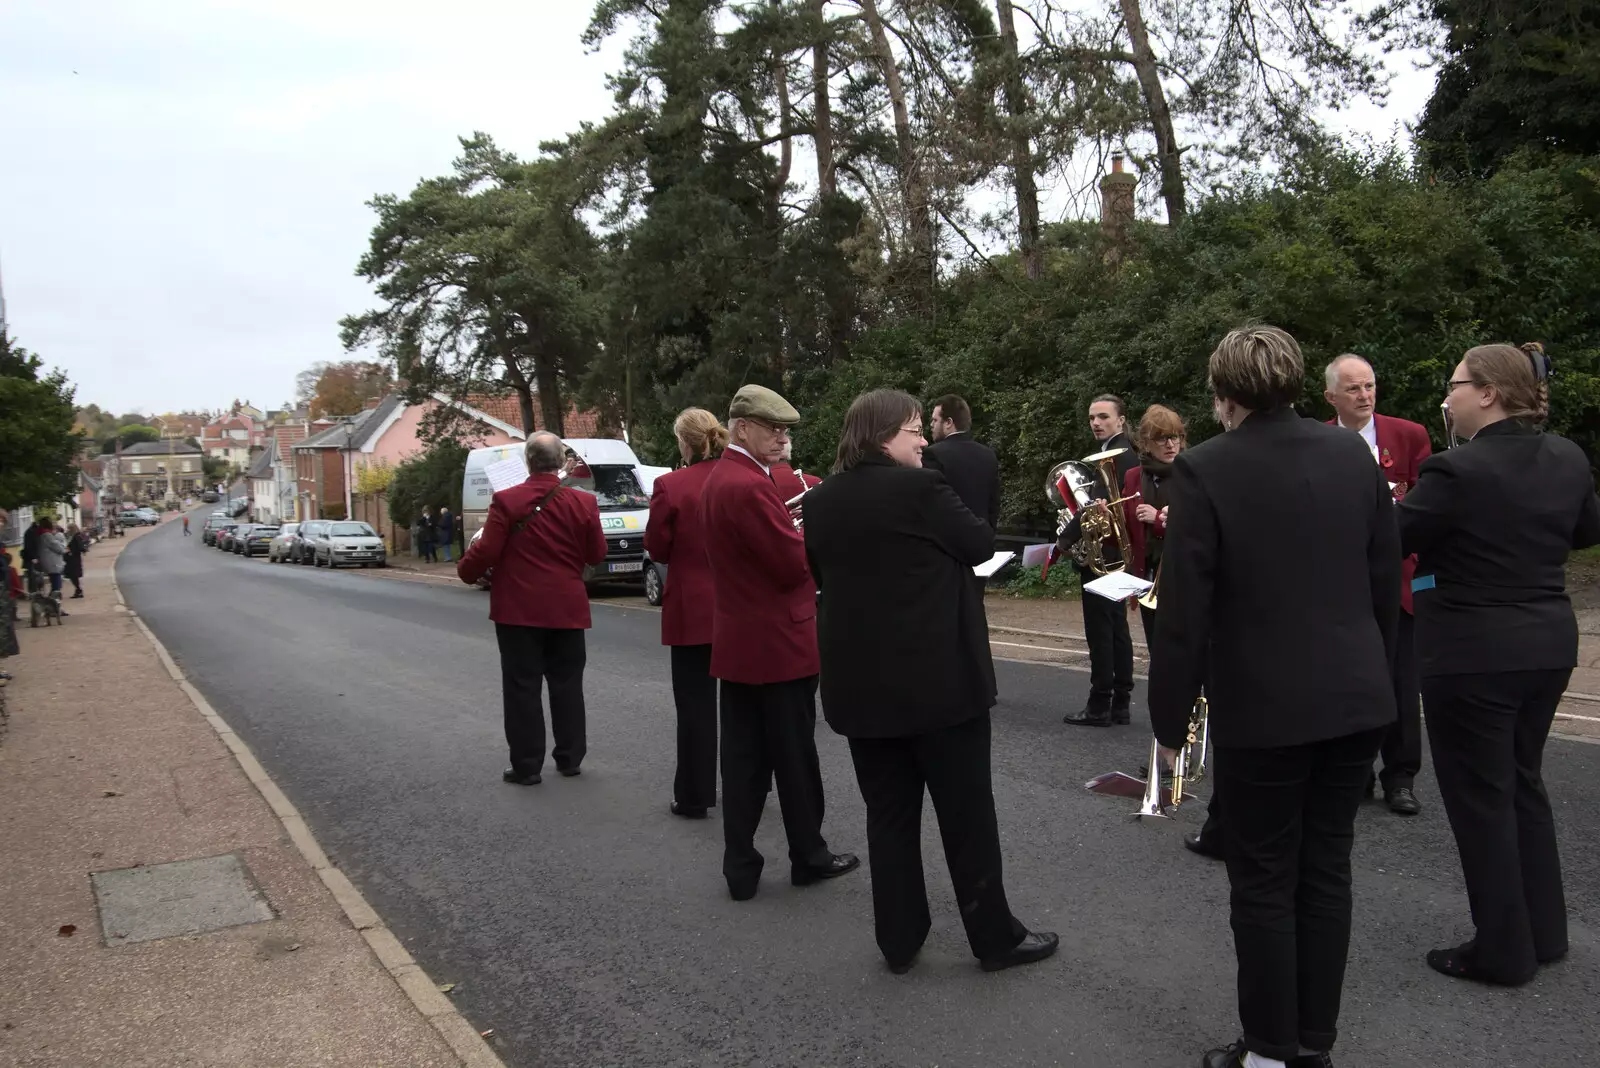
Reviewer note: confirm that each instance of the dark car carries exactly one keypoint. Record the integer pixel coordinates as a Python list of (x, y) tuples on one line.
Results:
[(214, 528), (210, 496), (226, 537), (258, 542), (304, 551)]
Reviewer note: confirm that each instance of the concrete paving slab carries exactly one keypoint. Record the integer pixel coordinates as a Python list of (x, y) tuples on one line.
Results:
[(183, 897)]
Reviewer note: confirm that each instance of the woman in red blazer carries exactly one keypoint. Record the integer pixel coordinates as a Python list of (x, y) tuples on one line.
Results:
[(675, 536)]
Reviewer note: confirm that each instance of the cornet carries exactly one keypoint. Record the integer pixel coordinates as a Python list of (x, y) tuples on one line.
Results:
[(1188, 766)]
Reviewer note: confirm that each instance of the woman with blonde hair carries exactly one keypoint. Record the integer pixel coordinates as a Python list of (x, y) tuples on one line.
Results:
[(675, 536), (1491, 522)]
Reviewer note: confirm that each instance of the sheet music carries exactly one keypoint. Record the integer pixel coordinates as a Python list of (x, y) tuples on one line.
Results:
[(1118, 586), (993, 564), (1035, 555), (506, 473)]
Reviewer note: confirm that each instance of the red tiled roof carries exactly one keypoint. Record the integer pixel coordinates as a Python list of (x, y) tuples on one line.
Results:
[(576, 424), (285, 437)]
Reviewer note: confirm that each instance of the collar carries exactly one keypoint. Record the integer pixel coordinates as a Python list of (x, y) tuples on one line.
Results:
[(1505, 426), (1268, 416), (765, 470), (952, 434), (1370, 428)]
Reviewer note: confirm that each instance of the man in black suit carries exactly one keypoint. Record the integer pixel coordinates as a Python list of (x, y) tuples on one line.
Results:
[(1105, 623), (908, 679), (1280, 592), (969, 466)]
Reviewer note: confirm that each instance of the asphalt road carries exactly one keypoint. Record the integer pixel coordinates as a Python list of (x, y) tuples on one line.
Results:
[(587, 926)]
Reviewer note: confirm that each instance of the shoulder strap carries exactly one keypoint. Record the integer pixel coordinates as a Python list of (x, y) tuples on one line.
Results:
[(534, 514)]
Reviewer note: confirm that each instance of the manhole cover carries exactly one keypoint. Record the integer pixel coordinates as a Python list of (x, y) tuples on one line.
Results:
[(181, 898)]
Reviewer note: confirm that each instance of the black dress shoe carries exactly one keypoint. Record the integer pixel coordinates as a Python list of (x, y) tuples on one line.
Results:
[(520, 778), (1311, 1060), (1461, 962), (1199, 843), (1035, 946), (1402, 802), (1088, 717), (570, 772), (688, 812), (743, 891), (1121, 715), (836, 865), (901, 967), (1225, 1057)]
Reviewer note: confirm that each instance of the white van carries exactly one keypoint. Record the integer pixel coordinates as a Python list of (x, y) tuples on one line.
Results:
[(610, 472)]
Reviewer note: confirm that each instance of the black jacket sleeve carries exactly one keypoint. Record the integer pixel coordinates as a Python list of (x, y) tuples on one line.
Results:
[(1183, 624), (1428, 510), (952, 524), (1384, 565)]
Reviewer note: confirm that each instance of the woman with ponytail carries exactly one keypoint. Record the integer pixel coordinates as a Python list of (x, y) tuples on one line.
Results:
[(675, 536)]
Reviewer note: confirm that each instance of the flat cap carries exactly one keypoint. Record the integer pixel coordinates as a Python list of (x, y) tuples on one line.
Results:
[(759, 402)]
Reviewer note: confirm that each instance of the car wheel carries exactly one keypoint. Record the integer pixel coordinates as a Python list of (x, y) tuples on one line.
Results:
[(653, 586)]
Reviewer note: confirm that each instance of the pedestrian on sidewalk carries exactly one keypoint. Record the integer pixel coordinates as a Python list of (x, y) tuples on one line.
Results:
[(447, 532), (186, 526), (30, 547), (425, 536), (77, 545), (11, 590), (538, 538), (52, 554)]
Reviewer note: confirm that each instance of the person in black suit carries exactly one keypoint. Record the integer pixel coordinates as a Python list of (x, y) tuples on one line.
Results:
[(907, 676), (1280, 592), (1105, 622), (1491, 522), (969, 466)]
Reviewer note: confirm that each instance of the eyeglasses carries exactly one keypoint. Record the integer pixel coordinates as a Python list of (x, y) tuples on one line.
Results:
[(1170, 439), (915, 431), (1454, 382), (780, 431)]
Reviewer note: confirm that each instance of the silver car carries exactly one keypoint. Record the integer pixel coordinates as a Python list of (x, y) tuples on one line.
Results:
[(348, 542), (279, 549)]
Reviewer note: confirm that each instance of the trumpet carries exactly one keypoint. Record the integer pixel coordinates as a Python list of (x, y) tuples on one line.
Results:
[(1451, 440), (792, 505), (1148, 598), (1188, 767)]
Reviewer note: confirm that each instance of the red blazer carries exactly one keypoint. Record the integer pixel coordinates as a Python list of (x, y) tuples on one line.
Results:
[(764, 628), (791, 485), (1138, 536), (538, 571), (1402, 446), (676, 537)]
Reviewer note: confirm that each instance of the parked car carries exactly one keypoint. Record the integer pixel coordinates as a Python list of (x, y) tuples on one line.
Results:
[(210, 497), (226, 536), (350, 542), (281, 542), (131, 519), (215, 525), (312, 531), (258, 542), (149, 515)]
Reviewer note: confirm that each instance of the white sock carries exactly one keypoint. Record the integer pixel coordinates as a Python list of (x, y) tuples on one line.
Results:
[(1256, 1060)]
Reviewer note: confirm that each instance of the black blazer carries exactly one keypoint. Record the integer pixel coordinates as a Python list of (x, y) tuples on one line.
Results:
[(904, 643), (972, 471), (1124, 463), (1491, 523), (1282, 565)]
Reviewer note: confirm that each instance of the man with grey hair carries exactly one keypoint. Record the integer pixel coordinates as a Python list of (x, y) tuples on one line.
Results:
[(539, 537), (1399, 446)]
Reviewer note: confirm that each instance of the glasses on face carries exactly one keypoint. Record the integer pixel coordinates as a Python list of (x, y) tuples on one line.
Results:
[(914, 431), (1170, 439), (1450, 387), (771, 428)]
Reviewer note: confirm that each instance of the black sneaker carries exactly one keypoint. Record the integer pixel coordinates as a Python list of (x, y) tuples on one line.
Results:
[(520, 778)]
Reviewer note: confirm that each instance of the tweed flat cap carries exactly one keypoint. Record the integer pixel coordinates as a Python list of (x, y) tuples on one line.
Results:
[(759, 402)]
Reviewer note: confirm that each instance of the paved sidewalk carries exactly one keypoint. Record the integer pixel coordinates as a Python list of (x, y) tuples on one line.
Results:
[(108, 772)]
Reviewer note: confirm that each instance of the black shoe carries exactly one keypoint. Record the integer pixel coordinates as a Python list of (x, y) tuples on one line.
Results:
[(1461, 962), (743, 891), (1226, 1057), (570, 772), (1311, 1060), (1402, 802), (836, 865), (688, 812), (520, 778), (1121, 715), (1088, 717), (1372, 786), (77, 595), (901, 967), (1199, 843), (1035, 946)]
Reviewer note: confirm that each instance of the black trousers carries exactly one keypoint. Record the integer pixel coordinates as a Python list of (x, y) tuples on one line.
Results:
[(769, 732), (694, 692), (531, 657), (953, 765), (1402, 745), (1105, 627), (1288, 825), (1487, 733)]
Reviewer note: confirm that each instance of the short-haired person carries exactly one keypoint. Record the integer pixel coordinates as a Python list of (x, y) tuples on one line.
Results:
[(676, 537), (538, 538), (1280, 585), (1399, 446), (1491, 522), (968, 465), (1105, 622), (908, 677), (764, 650)]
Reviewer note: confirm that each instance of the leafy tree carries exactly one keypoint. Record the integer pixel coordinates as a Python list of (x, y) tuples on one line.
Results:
[(215, 468), (130, 434), (431, 480), (344, 388), (37, 438)]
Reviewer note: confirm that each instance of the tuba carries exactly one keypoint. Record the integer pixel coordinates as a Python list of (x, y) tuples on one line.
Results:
[(1072, 487)]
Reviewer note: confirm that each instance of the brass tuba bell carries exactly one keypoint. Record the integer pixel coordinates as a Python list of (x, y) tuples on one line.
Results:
[(1072, 487)]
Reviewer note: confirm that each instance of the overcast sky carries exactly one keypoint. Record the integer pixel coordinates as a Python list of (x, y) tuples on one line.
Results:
[(183, 182)]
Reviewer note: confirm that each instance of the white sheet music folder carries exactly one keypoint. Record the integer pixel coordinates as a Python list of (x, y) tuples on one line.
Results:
[(993, 564), (506, 473), (1118, 586)]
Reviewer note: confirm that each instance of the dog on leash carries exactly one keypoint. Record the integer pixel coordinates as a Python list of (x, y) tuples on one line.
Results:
[(43, 603)]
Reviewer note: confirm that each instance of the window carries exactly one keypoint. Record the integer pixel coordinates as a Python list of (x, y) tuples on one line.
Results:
[(134, 468), (352, 530), (617, 487)]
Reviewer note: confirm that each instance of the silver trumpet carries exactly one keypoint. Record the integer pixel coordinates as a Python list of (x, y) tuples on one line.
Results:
[(792, 505), (1451, 440)]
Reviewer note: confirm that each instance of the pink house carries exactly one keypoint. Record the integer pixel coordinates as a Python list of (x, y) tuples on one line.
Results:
[(391, 433)]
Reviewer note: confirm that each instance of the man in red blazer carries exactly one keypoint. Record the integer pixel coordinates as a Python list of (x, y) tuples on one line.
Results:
[(538, 537), (764, 649), (1399, 446)]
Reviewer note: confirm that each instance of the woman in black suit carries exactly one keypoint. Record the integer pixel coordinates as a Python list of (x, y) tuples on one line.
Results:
[(907, 676), (1491, 523), (1280, 592)]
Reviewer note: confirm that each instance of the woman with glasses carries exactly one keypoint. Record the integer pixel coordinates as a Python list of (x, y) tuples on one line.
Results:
[(1144, 492), (1491, 522), (908, 679)]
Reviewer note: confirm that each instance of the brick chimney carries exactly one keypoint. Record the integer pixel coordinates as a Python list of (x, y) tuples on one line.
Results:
[(1116, 200)]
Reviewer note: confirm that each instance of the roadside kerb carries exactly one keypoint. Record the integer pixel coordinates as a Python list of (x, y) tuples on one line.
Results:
[(458, 1033)]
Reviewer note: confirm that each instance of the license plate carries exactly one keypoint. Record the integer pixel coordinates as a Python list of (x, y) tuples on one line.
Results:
[(360, 554), (626, 565)]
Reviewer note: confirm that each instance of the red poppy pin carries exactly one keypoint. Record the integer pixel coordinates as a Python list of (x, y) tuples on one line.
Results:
[(1399, 490), (1386, 460)]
